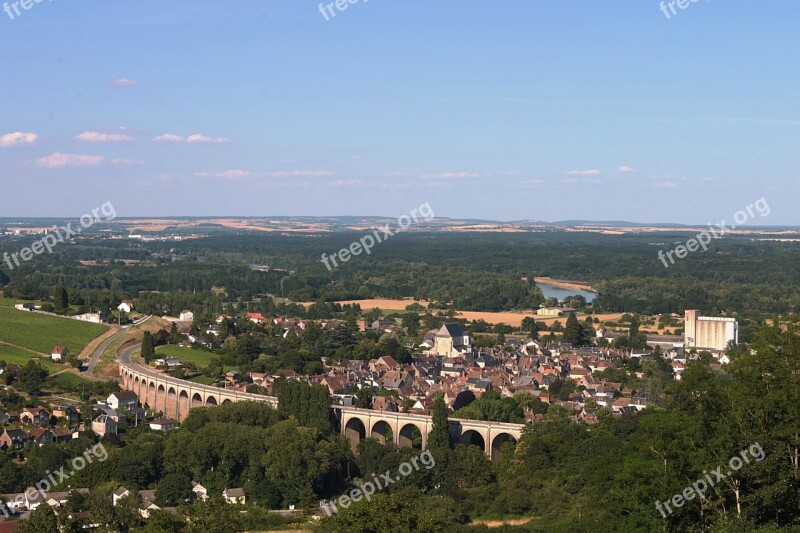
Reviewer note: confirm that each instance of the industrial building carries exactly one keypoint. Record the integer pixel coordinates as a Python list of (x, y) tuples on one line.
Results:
[(709, 333)]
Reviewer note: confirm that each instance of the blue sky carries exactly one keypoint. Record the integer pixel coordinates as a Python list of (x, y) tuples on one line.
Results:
[(519, 109)]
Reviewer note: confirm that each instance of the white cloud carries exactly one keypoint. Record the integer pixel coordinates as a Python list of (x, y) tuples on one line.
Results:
[(200, 138), (625, 169), (301, 174), (59, 160), (228, 174), (97, 137), (169, 138), (126, 162), (593, 172), (665, 185), (122, 82), (244, 174), (17, 138), (195, 138)]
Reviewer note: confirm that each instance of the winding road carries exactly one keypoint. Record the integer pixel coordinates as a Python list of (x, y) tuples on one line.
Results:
[(98, 353)]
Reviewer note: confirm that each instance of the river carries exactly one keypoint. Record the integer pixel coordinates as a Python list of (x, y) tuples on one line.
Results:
[(559, 292)]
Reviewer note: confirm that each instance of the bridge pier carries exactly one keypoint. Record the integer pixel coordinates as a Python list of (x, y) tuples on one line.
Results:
[(175, 397)]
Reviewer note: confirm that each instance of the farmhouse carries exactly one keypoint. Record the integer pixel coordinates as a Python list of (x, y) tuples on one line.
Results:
[(126, 306), (59, 354)]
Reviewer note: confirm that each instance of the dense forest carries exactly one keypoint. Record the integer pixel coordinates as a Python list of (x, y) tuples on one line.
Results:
[(487, 272)]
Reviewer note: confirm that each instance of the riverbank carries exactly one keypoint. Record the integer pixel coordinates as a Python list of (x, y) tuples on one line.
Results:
[(563, 284)]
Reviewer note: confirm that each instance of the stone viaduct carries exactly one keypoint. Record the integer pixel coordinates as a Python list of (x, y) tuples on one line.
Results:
[(175, 397)]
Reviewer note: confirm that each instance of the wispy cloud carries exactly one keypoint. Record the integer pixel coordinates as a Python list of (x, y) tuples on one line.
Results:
[(121, 82), (665, 185), (592, 172), (126, 162), (98, 137), (17, 138), (195, 138), (238, 174), (228, 174), (345, 183), (169, 138), (451, 175), (60, 160), (625, 169)]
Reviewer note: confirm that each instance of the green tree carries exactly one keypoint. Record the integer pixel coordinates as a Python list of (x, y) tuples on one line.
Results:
[(42, 520), (60, 299), (31, 378), (148, 347), (310, 405), (573, 332), (212, 516), (173, 489), (163, 522), (440, 437)]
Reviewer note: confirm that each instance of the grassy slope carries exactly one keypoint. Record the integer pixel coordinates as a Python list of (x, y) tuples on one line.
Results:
[(41, 333), (200, 358), (17, 356)]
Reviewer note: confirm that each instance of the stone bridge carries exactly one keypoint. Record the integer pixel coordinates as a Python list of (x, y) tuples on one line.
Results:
[(175, 397), (411, 431)]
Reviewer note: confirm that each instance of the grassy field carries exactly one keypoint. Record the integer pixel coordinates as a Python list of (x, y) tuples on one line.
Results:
[(200, 358), (41, 333), (17, 356), (202, 380), (67, 378)]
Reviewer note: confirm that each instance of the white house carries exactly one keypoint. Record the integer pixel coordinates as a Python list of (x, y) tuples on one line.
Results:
[(234, 496), (162, 424), (122, 400), (120, 493), (200, 492), (126, 306), (187, 316), (59, 354), (94, 318)]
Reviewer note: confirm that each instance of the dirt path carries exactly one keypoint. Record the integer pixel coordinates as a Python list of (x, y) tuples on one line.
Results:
[(23, 348)]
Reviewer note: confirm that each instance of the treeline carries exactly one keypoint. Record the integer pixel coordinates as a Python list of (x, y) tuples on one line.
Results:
[(475, 271)]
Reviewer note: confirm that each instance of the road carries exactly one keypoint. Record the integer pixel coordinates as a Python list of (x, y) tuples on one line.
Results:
[(98, 353)]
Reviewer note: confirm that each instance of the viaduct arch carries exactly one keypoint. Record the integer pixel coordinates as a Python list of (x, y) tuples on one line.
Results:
[(175, 397)]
